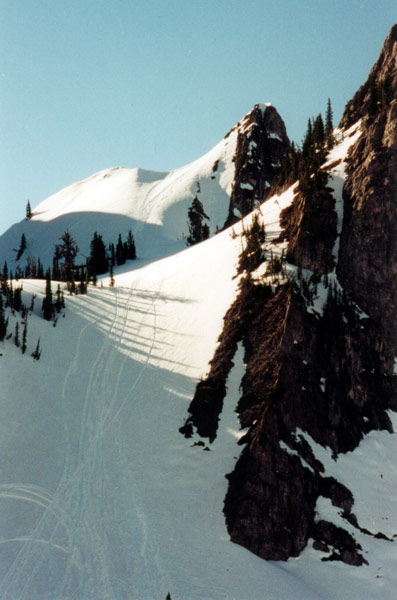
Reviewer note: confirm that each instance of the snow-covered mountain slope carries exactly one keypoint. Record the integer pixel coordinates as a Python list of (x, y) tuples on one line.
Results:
[(153, 205), (101, 497)]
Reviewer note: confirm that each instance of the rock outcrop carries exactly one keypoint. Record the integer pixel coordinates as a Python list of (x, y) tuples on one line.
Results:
[(262, 143), (324, 375)]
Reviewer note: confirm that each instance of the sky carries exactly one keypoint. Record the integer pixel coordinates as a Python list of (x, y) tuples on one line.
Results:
[(91, 84)]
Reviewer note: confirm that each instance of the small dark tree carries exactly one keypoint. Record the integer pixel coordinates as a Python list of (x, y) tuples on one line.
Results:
[(68, 251), (111, 282), (197, 230), (56, 273), (329, 126), (59, 302), (31, 307), (22, 246), (318, 131), (24, 335), (120, 251), (252, 255), (17, 299), (28, 211), (3, 320), (131, 250), (98, 260), (4, 279), (37, 353), (48, 306), (83, 281), (16, 335), (40, 269)]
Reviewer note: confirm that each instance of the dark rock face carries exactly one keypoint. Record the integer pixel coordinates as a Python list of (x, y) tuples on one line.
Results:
[(310, 228), (368, 250), (262, 143), (329, 374)]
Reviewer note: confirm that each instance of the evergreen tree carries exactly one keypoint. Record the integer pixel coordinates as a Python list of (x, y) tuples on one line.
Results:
[(48, 306), (131, 250), (318, 131), (111, 282), (24, 335), (40, 269), (56, 273), (252, 255), (16, 335), (83, 281), (4, 278), (329, 126), (308, 140), (112, 254), (68, 251), (22, 246), (3, 320), (98, 260), (28, 211), (59, 302), (197, 230), (17, 299), (120, 251), (37, 353)]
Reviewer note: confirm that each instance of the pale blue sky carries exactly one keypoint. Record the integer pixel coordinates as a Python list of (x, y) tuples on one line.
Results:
[(91, 84)]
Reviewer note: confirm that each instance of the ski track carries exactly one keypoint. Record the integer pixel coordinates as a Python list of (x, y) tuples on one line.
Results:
[(73, 521)]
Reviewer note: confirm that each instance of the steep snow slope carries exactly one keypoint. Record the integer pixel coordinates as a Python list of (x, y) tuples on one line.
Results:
[(153, 205), (101, 497)]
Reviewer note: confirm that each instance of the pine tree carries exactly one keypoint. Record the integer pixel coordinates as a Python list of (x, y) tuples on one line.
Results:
[(59, 302), (3, 320), (318, 131), (308, 140), (120, 251), (22, 247), (17, 299), (56, 273), (40, 269), (4, 279), (98, 260), (28, 211), (131, 250), (68, 250), (111, 282), (83, 281), (16, 335), (48, 306), (24, 335), (37, 353), (329, 126), (197, 231)]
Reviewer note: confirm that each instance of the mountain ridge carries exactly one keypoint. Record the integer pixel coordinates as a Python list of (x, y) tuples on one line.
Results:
[(290, 450)]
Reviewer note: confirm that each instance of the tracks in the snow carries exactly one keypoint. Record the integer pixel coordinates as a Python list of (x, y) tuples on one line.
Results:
[(78, 519)]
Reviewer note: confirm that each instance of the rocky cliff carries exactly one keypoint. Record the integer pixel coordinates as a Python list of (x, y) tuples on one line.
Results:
[(319, 332), (262, 143)]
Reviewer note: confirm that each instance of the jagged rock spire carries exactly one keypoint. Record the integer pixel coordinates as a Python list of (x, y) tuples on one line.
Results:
[(262, 143)]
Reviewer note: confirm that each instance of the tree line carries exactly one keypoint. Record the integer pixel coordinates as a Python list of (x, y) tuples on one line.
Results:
[(304, 163), (64, 268)]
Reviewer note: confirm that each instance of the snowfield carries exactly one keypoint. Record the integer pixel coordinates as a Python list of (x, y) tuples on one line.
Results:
[(101, 498)]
